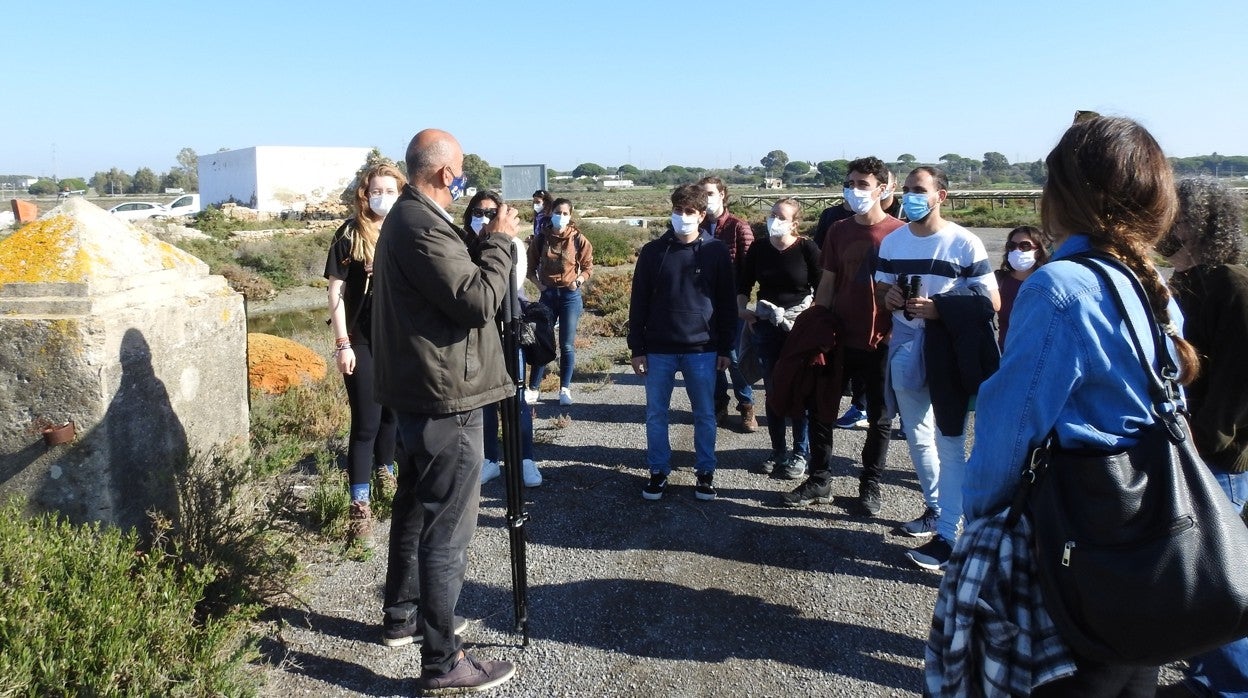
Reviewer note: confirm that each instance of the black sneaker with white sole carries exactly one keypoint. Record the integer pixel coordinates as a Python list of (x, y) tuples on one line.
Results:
[(922, 527), (932, 555), (869, 499), (812, 491), (705, 489), (411, 630), (655, 488), (469, 675)]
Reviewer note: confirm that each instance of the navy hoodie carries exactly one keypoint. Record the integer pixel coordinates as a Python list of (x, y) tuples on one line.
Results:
[(683, 301)]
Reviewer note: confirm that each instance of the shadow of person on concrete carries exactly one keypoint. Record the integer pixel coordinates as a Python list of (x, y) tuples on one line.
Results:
[(140, 445)]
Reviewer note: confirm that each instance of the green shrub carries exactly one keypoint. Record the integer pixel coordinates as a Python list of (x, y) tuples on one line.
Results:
[(287, 261), (614, 244), (86, 612), (985, 217)]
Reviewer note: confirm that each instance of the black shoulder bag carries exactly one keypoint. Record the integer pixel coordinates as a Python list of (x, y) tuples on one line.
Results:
[(1141, 556)]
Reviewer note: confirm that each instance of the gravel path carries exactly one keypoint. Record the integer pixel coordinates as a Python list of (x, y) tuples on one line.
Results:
[(635, 598)]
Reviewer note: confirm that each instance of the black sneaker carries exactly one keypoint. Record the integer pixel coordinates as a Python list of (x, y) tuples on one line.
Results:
[(768, 466), (469, 675), (656, 487), (705, 489), (922, 527), (869, 499), (400, 634), (932, 555), (811, 491)]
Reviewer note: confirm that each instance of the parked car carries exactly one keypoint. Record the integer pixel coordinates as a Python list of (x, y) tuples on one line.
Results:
[(138, 210), (185, 205)]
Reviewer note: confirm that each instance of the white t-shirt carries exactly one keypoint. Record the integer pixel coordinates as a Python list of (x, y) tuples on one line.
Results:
[(952, 257)]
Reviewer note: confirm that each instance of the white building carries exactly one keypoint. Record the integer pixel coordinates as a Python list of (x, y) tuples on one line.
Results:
[(277, 178)]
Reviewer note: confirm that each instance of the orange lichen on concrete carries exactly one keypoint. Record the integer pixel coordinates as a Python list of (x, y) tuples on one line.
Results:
[(42, 252), (275, 364)]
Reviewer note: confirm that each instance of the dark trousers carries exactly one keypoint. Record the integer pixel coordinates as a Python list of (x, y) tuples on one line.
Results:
[(868, 366), (435, 515), (373, 427), (1096, 680)]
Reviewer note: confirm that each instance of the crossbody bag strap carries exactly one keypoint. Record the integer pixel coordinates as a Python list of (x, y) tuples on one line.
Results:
[(1164, 389)]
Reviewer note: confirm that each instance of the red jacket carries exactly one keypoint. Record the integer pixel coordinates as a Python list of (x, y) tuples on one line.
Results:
[(735, 233), (806, 376)]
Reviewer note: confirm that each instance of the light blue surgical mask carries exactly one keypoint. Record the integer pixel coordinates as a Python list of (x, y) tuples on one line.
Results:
[(457, 186), (560, 220), (915, 206)]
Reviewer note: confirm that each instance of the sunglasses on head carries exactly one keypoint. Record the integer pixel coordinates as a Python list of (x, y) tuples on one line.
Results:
[(479, 212), (1022, 246)]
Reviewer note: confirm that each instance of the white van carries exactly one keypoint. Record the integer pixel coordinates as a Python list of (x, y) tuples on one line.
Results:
[(184, 205)]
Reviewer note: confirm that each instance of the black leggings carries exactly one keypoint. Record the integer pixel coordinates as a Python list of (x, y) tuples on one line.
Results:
[(1096, 680), (372, 426)]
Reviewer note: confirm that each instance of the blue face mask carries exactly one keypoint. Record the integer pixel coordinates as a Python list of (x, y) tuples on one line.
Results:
[(560, 220), (915, 206), (458, 185)]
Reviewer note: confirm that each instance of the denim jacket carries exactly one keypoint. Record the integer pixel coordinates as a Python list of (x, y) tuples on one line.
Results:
[(1069, 364)]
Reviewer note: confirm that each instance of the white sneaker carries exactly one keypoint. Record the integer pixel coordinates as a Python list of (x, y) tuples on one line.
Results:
[(530, 396), (489, 470), (532, 478), (565, 396)]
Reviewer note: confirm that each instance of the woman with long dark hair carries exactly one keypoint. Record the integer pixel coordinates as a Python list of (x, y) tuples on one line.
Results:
[(1024, 253), (1068, 367)]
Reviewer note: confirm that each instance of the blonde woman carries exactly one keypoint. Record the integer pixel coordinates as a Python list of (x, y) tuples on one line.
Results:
[(349, 269)]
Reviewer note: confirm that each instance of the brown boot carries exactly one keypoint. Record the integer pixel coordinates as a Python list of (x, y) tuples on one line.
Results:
[(748, 423), (360, 524)]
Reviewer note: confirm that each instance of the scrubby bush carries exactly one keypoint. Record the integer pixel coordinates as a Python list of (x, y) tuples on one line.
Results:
[(614, 244), (247, 282), (608, 296), (287, 261), (86, 611)]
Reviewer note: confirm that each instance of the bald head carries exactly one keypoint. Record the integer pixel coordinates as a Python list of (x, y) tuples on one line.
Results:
[(431, 150)]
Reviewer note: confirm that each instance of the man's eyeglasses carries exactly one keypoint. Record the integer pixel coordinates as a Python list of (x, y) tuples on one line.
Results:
[(1021, 246), (486, 213)]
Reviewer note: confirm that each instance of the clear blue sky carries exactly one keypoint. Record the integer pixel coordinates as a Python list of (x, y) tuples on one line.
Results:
[(91, 85)]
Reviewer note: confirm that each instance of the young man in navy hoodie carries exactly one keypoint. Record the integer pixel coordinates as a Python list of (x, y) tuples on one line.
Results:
[(682, 318)]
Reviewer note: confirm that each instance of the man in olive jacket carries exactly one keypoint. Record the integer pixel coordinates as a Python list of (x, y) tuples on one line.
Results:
[(438, 361)]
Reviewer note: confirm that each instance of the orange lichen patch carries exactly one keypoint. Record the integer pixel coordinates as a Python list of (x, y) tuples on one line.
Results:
[(275, 364), (42, 251)]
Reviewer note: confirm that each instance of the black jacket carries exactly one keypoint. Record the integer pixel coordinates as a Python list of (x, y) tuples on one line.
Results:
[(435, 343), (960, 351), (683, 301)]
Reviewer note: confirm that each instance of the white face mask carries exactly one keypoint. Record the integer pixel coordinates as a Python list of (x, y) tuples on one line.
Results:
[(714, 205), (537, 208), (1022, 261), (859, 201), (684, 224), (382, 203), (777, 228), (477, 223)]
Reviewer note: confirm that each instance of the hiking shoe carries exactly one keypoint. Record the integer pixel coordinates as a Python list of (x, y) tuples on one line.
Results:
[(869, 499), (794, 467), (399, 634), (489, 470), (853, 418), (932, 555), (387, 483), (749, 423), (922, 527), (360, 524), (531, 395), (773, 461), (811, 491), (532, 476), (655, 488), (705, 489), (469, 675), (565, 396)]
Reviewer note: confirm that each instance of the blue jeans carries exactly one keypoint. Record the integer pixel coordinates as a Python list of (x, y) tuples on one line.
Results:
[(698, 370), (743, 390), (1224, 671), (769, 339), (566, 305), (939, 461), (434, 517)]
